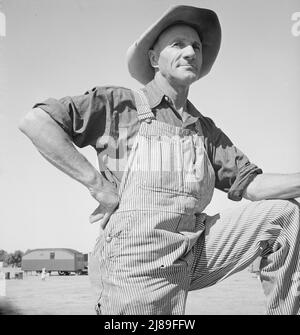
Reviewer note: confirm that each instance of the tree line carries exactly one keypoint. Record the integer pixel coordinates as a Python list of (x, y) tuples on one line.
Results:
[(11, 259)]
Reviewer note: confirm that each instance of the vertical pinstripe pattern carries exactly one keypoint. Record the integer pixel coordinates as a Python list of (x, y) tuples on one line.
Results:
[(143, 257), (154, 249), (234, 238)]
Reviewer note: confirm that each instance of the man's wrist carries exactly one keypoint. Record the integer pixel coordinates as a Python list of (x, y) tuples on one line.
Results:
[(94, 182)]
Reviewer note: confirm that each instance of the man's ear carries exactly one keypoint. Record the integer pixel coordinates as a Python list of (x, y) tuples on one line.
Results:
[(153, 58)]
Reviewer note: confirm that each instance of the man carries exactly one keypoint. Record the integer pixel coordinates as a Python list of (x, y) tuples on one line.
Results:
[(160, 160)]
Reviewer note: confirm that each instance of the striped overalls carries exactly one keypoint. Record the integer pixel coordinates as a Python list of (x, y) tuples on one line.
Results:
[(158, 244)]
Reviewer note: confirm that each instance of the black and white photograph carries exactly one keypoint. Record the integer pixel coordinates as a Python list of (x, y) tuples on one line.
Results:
[(149, 158)]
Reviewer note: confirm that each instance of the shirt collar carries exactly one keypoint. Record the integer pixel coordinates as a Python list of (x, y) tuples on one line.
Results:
[(155, 96)]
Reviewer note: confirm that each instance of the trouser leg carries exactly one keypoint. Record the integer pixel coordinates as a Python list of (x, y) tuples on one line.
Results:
[(233, 239), (280, 266), (137, 269), (94, 273)]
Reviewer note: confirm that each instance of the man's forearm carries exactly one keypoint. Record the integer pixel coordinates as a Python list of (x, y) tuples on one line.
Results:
[(54, 144), (273, 186)]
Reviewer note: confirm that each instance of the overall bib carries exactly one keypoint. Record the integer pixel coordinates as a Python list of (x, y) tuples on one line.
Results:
[(142, 260)]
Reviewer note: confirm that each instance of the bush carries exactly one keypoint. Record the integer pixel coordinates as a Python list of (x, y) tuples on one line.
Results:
[(11, 259)]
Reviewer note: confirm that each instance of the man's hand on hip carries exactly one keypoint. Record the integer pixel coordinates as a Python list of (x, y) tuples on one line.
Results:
[(108, 198), (57, 147)]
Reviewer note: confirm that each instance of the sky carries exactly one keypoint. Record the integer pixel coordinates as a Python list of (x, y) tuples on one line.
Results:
[(54, 48)]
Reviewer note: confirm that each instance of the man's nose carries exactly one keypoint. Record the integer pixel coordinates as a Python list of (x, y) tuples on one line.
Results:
[(189, 52)]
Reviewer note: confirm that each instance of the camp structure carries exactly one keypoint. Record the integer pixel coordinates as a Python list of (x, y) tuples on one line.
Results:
[(62, 260)]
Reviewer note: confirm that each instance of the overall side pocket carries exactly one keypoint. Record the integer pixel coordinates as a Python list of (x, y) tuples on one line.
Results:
[(118, 230)]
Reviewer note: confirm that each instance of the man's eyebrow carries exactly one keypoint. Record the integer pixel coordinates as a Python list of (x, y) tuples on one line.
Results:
[(175, 39)]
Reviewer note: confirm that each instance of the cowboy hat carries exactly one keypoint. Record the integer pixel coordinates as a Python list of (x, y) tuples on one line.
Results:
[(205, 22)]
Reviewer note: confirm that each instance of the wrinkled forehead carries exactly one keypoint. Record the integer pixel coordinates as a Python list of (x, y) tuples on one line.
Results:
[(177, 30)]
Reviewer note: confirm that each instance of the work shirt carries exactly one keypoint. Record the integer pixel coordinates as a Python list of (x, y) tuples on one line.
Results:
[(106, 118)]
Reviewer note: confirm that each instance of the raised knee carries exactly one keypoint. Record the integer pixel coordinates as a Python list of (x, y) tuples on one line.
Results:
[(289, 206), (282, 205), (287, 212), (280, 208)]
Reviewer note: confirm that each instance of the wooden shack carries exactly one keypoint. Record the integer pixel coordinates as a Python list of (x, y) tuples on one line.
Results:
[(62, 260)]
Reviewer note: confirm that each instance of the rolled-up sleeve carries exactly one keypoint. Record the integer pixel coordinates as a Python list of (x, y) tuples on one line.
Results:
[(233, 170), (82, 117)]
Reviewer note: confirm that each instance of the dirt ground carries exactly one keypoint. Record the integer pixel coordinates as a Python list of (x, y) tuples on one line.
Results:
[(72, 295)]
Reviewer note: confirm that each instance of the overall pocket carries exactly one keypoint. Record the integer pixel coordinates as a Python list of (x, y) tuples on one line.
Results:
[(159, 164), (116, 233)]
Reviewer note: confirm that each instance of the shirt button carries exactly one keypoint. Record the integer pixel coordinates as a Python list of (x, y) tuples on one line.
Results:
[(108, 238)]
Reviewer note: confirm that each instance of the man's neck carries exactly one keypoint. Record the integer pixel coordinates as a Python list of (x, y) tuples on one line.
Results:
[(178, 94)]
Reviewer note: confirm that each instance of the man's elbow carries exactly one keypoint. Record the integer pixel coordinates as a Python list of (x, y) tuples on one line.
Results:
[(25, 124), (33, 122)]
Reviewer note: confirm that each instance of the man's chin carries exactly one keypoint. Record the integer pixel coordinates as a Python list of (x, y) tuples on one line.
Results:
[(187, 80), (183, 79)]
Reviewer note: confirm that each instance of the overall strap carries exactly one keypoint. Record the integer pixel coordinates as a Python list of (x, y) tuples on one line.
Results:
[(142, 105)]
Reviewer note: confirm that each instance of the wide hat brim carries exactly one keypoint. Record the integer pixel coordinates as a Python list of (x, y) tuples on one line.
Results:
[(206, 23)]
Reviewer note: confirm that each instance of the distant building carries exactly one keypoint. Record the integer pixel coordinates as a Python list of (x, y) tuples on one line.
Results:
[(62, 260)]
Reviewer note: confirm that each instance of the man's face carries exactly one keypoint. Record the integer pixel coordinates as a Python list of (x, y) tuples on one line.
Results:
[(178, 54)]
